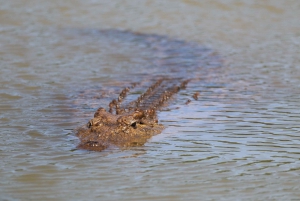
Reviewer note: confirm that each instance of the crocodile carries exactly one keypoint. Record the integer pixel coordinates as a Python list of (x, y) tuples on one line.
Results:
[(171, 65), (132, 124)]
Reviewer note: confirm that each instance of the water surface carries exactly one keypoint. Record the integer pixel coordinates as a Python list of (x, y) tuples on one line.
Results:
[(62, 60)]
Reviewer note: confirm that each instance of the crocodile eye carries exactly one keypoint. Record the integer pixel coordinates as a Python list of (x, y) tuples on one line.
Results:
[(133, 125), (89, 124)]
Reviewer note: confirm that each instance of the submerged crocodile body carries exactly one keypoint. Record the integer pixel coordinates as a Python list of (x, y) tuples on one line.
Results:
[(171, 65), (132, 124)]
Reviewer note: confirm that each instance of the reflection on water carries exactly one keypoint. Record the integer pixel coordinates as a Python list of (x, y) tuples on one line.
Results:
[(238, 141)]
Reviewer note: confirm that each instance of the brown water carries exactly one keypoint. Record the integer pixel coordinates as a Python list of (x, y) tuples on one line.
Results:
[(239, 141)]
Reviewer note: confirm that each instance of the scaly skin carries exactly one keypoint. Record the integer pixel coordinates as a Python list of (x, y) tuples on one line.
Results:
[(130, 125)]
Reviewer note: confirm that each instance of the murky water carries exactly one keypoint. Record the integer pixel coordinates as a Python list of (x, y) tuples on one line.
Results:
[(60, 60)]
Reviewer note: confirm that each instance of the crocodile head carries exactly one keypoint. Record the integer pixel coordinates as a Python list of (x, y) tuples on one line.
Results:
[(131, 128)]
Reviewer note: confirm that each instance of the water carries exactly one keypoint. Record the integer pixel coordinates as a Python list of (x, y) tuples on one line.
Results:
[(238, 141)]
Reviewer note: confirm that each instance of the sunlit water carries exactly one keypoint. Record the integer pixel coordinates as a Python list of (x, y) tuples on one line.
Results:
[(61, 60)]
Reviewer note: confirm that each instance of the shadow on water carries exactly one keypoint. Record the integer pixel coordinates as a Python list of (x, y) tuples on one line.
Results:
[(138, 58)]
